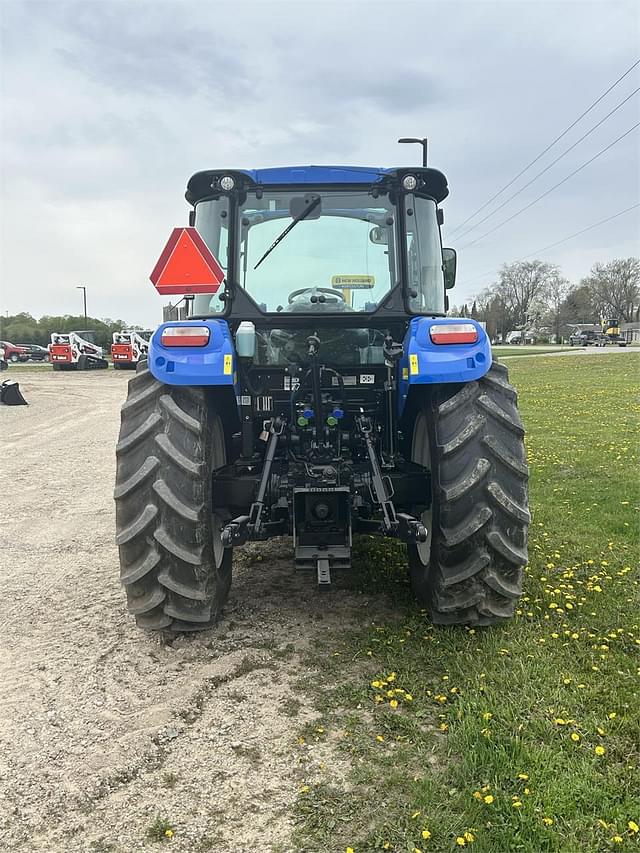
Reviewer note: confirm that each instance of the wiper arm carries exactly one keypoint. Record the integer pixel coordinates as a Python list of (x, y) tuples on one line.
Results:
[(291, 225)]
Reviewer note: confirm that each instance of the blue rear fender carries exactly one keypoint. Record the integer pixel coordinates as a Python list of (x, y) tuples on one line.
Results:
[(427, 363), (211, 364)]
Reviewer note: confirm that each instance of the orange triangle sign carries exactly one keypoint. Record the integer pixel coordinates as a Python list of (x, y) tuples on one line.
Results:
[(187, 265)]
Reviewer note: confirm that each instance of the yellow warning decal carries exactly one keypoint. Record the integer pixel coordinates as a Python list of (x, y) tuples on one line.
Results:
[(413, 363), (353, 282), (405, 372), (228, 365)]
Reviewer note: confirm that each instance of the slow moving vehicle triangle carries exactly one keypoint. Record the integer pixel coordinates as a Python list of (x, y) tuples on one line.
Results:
[(186, 265)]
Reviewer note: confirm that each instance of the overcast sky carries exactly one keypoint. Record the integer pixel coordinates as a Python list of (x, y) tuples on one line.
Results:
[(109, 107)]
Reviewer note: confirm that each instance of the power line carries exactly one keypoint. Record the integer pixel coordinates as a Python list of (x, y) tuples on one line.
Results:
[(582, 231), (551, 189), (548, 148), (546, 169), (559, 242)]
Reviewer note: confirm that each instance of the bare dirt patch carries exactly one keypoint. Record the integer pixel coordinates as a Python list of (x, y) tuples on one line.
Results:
[(104, 728)]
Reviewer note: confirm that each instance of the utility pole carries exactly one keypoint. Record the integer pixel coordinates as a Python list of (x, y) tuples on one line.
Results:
[(84, 299)]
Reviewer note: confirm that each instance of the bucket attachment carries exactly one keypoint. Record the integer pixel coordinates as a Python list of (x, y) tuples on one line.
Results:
[(11, 395)]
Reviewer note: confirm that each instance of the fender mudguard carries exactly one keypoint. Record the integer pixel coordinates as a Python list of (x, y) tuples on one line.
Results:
[(211, 364), (426, 363)]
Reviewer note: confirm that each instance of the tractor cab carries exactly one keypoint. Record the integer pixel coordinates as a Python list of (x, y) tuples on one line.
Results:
[(326, 242)]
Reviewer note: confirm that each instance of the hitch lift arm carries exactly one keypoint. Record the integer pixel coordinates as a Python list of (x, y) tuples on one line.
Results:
[(251, 526), (394, 523)]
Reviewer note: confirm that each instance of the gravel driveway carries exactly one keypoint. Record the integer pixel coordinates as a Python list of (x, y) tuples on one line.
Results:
[(103, 728)]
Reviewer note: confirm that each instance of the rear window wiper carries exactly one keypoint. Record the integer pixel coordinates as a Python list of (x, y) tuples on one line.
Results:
[(280, 238)]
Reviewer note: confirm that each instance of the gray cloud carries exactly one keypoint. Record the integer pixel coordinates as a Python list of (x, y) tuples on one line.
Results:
[(109, 107)]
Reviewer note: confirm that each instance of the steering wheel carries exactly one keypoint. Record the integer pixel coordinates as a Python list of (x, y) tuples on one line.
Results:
[(328, 290)]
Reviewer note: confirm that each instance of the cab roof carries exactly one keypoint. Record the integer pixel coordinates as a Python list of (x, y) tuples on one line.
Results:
[(202, 184)]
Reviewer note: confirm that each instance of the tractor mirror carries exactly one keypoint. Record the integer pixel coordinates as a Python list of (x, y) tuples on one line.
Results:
[(299, 204), (449, 263), (379, 236)]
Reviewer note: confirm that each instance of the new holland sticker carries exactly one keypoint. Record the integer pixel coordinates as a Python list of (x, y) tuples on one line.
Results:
[(413, 364), (228, 365), (353, 282)]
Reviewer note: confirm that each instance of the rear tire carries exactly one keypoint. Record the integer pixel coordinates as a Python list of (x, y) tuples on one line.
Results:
[(175, 571), (472, 439)]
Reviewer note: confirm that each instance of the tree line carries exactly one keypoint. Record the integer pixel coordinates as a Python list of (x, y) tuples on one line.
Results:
[(534, 295), (25, 329)]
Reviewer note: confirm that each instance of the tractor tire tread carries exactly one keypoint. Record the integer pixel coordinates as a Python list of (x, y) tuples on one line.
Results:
[(164, 530), (480, 514)]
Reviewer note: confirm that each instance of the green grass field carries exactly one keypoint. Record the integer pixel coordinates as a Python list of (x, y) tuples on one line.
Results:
[(526, 349), (524, 737)]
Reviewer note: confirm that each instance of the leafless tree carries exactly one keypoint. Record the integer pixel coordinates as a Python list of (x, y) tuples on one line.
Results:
[(524, 288), (557, 293), (615, 287)]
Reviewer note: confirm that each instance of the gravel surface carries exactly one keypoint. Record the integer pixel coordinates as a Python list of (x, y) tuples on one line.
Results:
[(103, 728)]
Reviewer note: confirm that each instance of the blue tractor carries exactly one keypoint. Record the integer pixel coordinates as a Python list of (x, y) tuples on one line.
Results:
[(318, 390)]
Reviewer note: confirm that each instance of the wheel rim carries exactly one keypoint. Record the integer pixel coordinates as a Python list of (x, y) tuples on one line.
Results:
[(421, 455), (218, 547), (218, 460)]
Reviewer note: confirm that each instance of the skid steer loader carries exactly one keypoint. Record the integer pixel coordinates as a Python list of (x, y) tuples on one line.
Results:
[(318, 390), (128, 347), (76, 351)]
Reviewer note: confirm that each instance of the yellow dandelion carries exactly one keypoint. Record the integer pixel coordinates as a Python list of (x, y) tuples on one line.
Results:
[(600, 750), (168, 833), (460, 841), (426, 834), (349, 850), (617, 839), (523, 776), (575, 737), (469, 836), (394, 703), (488, 799), (305, 789), (547, 821), (415, 815), (477, 795), (633, 826), (517, 804), (379, 738)]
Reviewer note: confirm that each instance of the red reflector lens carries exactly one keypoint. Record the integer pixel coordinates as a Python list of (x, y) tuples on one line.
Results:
[(185, 336), (454, 333)]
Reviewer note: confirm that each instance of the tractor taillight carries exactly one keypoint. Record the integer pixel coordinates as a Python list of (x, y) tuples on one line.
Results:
[(185, 336), (454, 333)]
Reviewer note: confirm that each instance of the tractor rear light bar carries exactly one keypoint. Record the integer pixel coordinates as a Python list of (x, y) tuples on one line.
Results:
[(454, 333), (185, 336)]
